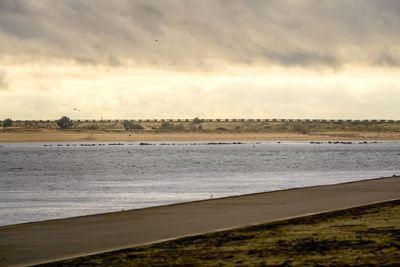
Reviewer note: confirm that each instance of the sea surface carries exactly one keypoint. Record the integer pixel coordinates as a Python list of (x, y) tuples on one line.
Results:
[(40, 181)]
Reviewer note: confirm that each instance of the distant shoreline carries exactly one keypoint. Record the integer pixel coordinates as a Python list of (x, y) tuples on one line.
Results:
[(87, 135)]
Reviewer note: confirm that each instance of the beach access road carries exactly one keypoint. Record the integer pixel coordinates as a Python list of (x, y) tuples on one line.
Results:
[(47, 241)]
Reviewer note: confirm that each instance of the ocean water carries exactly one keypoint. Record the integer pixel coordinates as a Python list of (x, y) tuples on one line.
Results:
[(40, 181)]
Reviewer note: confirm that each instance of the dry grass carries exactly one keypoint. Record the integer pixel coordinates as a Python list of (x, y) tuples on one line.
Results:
[(359, 236)]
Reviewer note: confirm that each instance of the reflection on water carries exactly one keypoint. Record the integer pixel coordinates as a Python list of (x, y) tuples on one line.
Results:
[(41, 181)]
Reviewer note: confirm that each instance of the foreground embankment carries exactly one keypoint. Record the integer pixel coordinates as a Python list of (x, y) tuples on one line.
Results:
[(361, 236), (47, 241)]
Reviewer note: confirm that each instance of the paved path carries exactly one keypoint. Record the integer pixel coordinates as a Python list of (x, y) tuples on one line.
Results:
[(46, 241)]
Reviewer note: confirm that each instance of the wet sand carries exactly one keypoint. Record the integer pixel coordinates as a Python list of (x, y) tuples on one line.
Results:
[(60, 136), (40, 242)]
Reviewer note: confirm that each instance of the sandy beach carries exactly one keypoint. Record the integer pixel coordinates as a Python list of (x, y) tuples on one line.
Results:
[(40, 242), (75, 136)]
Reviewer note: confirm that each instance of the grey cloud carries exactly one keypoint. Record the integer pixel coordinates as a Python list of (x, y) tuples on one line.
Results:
[(302, 58), (388, 58), (16, 7), (189, 33), (114, 61)]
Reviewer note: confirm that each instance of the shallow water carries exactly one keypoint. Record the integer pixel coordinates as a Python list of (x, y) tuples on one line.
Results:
[(41, 181)]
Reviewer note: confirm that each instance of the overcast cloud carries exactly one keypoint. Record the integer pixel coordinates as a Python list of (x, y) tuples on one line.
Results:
[(170, 33), (208, 58)]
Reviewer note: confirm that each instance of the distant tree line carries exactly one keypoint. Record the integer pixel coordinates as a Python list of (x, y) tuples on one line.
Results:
[(271, 125)]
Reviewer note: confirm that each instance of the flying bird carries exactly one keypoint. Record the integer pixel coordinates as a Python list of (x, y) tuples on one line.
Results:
[(75, 109)]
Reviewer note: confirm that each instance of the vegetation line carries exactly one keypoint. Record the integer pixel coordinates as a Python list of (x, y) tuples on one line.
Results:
[(303, 126)]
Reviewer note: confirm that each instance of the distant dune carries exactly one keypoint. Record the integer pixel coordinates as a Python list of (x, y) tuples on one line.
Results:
[(199, 129)]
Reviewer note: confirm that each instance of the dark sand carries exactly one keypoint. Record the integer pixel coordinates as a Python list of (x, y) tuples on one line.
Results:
[(47, 241)]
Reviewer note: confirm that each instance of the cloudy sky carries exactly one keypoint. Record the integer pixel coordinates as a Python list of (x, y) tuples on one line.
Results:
[(191, 58)]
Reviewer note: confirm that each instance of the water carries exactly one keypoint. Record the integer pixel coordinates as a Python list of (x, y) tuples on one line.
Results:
[(41, 181)]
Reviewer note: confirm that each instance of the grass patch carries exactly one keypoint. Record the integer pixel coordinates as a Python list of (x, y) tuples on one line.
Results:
[(360, 236)]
